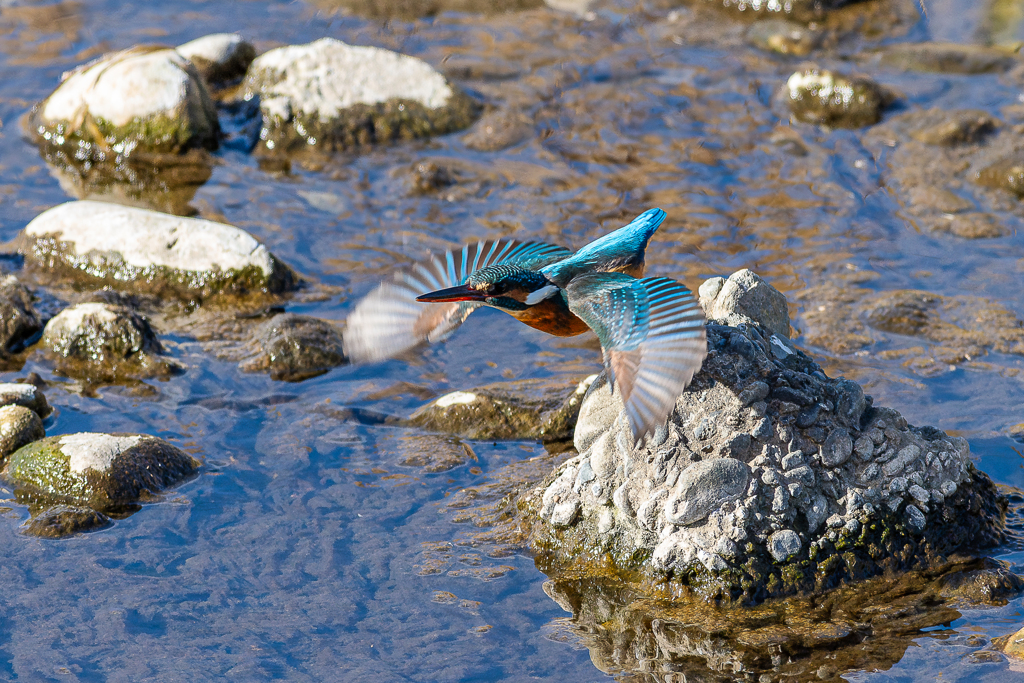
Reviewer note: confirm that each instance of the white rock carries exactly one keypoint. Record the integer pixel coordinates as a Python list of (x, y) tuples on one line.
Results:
[(89, 450), (455, 398), (146, 238), (327, 76)]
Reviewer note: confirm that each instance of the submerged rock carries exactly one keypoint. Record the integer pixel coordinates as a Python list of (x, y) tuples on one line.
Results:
[(19, 427), (125, 248), (950, 128), (104, 341), (27, 395), (295, 347), (824, 97), (953, 58), (333, 96), (145, 99), (61, 521), (219, 57), (414, 9), (498, 130), (102, 471), (19, 321), (783, 37), (801, 10), (531, 409), (769, 479)]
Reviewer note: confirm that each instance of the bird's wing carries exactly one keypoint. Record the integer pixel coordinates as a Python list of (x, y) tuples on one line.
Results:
[(389, 321), (652, 335)]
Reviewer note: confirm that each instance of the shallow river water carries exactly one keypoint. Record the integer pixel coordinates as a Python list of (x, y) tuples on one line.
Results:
[(313, 547)]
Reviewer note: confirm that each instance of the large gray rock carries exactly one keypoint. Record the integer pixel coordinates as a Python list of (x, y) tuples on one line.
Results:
[(126, 248), (745, 296), (142, 99), (101, 471), (219, 57), (769, 479), (328, 94)]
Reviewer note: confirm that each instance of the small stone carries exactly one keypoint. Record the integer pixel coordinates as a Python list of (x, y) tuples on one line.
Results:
[(566, 513), (915, 519), (850, 402), (919, 494), (816, 513), (898, 485), (762, 430), (784, 544), (780, 500), (295, 347), (62, 521), (621, 499), (793, 460), (824, 97), (704, 487), (756, 391), (804, 474), (219, 57), (19, 426), (837, 448), (948, 488), (746, 294), (863, 447), (903, 458), (835, 521)]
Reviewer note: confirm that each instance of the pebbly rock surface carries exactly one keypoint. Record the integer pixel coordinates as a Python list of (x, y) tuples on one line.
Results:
[(26, 395), (104, 341), (823, 97), (770, 479), (530, 409), (141, 99), (104, 472), (330, 95), (95, 244), (19, 320), (219, 57), (19, 426), (295, 347)]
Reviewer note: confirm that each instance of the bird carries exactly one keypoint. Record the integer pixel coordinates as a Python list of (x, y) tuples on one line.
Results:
[(651, 330)]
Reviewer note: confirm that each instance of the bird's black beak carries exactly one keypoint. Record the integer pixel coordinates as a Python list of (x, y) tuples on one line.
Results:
[(460, 293)]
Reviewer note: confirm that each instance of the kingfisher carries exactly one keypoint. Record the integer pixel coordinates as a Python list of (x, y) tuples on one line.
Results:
[(651, 330)]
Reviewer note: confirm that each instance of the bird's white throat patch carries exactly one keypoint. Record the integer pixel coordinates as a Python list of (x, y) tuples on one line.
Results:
[(545, 292)]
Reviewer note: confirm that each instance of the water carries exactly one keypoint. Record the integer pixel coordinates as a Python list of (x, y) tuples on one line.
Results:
[(307, 550)]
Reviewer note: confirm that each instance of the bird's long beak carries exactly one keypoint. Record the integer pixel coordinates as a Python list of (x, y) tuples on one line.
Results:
[(460, 293)]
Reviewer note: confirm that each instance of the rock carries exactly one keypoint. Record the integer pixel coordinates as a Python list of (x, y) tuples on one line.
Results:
[(976, 225), (102, 471), (951, 128), (434, 453), (827, 98), (141, 99), (532, 409), (993, 585), (219, 57), (102, 341), (414, 9), (800, 10), (783, 37), (498, 130), (295, 347), (1005, 174), (96, 244), (27, 395), (333, 96), (703, 487), (19, 321), (717, 502), (746, 294), (61, 521), (954, 58), (19, 426), (784, 544)]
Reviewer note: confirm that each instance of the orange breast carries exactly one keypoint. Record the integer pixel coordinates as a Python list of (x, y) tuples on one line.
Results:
[(552, 316)]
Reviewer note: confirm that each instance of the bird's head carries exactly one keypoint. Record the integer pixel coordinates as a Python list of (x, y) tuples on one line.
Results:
[(508, 287)]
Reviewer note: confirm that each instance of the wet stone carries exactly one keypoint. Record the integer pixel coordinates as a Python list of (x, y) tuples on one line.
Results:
[(141, 99), (333, 96), (954, 58), (823, 97), (1004, 174), (951, 128), (61, 521), (993, 585), (97, 243), (101, 471), (219, 57), (19, 321), (783, 37), (295, 347), (19, 427), (498, 130), (27, 395)]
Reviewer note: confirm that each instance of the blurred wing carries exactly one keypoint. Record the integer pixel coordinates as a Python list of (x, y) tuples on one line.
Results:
[(389, 320), (652, 335)]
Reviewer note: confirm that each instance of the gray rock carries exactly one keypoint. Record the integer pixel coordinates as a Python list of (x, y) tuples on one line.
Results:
[(19, 426), (295, 347), (747, 295), (101, 471), (327, 94), (705, 486), (837, 448), (598, 412), (27, 395), (827, 98), (784, 544), (138, 99), (903, 458), (132, 249), (915, 518), (19, 321), (219, 57)]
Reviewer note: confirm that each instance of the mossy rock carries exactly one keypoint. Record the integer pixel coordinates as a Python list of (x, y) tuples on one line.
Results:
[(19, 426)]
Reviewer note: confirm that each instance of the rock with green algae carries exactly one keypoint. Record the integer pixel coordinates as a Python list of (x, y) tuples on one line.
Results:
[(101, 471), (19, 427), (531, 409), (333, 96), (827, 98), (816, 487), (142, 99), (90, 244)]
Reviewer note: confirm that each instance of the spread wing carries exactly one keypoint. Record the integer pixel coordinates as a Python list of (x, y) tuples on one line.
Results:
[(389, 320), (652, 335)]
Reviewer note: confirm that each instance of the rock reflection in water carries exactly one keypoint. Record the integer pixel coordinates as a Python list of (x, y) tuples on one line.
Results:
[(637, 637)]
